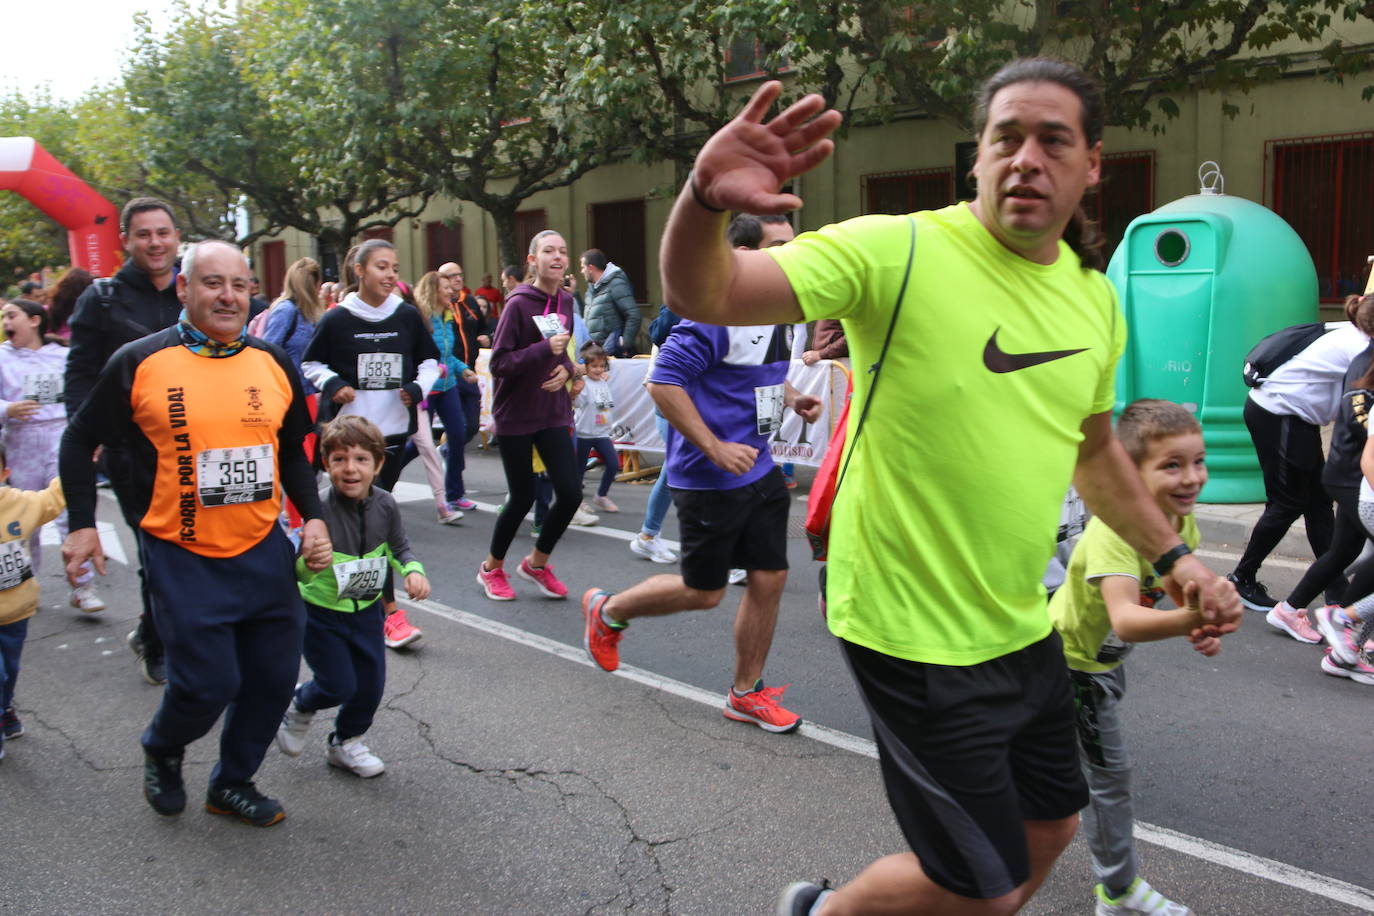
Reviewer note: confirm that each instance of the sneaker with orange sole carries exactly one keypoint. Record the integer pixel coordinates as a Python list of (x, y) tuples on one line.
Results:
[(600, 639), (760, 706)]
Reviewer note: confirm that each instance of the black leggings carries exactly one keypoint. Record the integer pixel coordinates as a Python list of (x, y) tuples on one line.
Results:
[(386, 480), (1327, 572), (555, 446)]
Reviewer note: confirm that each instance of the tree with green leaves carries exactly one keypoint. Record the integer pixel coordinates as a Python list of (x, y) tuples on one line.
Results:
[(1148, 54), (674, 72), (461, 97), (222, 105)]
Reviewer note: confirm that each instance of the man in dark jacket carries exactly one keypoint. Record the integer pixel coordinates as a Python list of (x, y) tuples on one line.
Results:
[(140, 299), (610, 309)]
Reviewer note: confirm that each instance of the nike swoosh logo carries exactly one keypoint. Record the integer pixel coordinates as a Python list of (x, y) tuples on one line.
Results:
[(998, 360)]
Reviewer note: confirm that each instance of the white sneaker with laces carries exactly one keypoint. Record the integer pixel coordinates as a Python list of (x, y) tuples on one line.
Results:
[(738, 576), (86, 600), (1139, 900), (352, 755), (584, 518), (653, 549), (295, 722)]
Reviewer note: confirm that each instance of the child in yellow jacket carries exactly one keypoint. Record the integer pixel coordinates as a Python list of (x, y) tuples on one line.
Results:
[(22, 512)]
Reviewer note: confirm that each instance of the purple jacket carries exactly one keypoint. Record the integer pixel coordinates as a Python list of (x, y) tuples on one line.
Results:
[(521, 361)]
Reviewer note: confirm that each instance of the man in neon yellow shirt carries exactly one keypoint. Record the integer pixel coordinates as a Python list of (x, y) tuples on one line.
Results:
[(1002, 363)]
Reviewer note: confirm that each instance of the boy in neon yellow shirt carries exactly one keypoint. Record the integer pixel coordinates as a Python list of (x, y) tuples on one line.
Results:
[(1106, 604)]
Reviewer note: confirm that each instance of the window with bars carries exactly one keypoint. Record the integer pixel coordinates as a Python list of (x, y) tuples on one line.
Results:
[(1125, 191), (1321, 187), (907, 192)]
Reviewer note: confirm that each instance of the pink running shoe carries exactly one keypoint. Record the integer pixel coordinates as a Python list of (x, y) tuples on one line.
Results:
[(1362, 672), (495, 583), (1282, 616), (548, 583), (398, 632), (1340, 638), (760, 706)]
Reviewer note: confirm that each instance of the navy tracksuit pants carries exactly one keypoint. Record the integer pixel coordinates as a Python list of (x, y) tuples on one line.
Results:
[(347, 654), (233, 630)]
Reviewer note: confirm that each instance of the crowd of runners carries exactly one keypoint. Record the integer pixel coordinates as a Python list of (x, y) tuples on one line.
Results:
[(254, 442)]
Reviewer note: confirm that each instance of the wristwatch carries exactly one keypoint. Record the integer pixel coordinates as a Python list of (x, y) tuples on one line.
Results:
[(1167, 559)]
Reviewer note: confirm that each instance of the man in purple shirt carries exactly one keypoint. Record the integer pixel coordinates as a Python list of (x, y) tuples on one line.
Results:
[(723, 390)]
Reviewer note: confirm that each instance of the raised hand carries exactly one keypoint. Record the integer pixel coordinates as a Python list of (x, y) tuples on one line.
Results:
[(744, 163)]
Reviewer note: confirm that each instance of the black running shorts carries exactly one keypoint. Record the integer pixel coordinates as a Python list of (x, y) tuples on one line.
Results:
[(969, 753), (743, 528)]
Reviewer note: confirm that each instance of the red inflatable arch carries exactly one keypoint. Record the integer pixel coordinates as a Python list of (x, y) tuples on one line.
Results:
[(92, 222)]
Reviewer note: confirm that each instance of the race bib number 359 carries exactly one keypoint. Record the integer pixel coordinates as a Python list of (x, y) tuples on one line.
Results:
[(379, 370), (229, 476)]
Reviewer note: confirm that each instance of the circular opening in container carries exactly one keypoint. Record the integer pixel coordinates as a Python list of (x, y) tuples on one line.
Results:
[(1171, 247)]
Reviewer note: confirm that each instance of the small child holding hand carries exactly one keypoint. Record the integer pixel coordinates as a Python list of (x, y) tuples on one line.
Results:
[(1107, 603), (344, 643)]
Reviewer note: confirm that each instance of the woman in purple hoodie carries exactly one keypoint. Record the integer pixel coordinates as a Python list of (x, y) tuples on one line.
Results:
[(531, 410)]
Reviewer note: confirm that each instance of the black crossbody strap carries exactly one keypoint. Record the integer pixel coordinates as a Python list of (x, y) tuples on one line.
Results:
[(874, 369)]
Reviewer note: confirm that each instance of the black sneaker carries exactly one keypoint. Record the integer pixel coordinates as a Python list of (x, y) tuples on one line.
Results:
[(152, 665), (801, 896), (246, 803), (162, 784), (1252, 594), (10, 726)]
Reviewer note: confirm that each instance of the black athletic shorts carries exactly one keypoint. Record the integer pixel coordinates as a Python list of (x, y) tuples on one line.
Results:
[(969, 753), (743, 528)]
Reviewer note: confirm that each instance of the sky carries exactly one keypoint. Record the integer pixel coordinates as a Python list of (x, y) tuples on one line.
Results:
[(69, 45)]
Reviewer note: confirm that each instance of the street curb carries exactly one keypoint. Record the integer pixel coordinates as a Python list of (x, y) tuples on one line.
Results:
[(1229, 526)]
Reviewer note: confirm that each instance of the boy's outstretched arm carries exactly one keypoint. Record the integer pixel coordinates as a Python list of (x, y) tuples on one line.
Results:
[(1111, 486), (1134, 622)]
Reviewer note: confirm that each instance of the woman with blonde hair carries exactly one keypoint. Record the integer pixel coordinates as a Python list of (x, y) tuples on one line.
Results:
[(291, 321), (432, 296)]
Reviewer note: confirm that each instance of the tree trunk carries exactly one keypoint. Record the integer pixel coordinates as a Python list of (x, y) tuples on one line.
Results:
[(506, 244)]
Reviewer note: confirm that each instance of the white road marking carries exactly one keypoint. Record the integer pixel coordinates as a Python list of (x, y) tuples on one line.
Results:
[(1281, 562), (1257, 866), (604, 531)]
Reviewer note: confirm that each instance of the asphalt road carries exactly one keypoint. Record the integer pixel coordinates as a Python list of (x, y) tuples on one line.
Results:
[(521, 780)]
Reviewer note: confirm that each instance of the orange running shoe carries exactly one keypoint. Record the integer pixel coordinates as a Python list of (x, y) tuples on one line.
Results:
[(600, 639), (760, 706)]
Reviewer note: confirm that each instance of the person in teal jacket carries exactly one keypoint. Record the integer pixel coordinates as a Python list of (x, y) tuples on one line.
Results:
[(343, 631)]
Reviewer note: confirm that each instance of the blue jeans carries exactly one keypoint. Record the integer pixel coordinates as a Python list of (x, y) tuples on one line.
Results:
[(660, 498), (11, 644), (606, 449), (449, 407)]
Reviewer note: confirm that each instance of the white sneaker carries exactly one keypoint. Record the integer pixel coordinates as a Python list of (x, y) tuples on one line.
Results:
[(604, 504), (738, 576), (352, 755), (85, 598), (584, 518), (295, 722), (449, 515), (1139, 900), (652, 549)]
